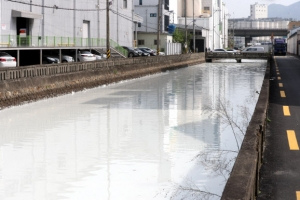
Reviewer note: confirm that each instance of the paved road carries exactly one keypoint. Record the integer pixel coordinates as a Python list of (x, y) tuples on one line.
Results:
[(280, 173)]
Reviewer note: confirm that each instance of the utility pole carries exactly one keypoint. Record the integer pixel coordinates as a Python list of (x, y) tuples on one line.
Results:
[(194, 43), (158, 27), (107, 30), (185, 25)]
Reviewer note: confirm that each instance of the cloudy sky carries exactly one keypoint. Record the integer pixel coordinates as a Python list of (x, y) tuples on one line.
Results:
[(241, 8)]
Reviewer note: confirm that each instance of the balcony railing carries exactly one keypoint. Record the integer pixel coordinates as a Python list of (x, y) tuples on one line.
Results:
[(16, 41)]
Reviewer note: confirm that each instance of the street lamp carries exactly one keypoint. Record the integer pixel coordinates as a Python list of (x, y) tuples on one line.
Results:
[(214, 27)]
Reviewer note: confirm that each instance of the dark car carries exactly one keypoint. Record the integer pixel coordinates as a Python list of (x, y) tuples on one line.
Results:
[(50, 59), (131, 52), (148, 50), (143, 52)]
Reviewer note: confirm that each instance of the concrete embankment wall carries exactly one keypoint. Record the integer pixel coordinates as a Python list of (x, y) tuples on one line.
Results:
[(244, 178), (25, 84)]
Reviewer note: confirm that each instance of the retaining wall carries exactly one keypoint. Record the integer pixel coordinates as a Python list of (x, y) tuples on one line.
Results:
[(243, 182), (23, 84)]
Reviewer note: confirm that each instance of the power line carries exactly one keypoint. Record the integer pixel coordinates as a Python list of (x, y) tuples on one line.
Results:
[(54, 7)]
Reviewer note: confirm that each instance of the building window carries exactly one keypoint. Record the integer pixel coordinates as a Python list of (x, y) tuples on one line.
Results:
[(124, 3), (141, 2), (206, 8), (166, 4), (141, 42), (155, 42), (139, 24)]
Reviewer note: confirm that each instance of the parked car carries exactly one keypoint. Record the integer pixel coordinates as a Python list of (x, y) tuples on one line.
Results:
[(143, 52), (254, 50), (219, 50), (162, 53), (50, 59), (131, 52), (99, 56), (7, 60), (83, 56), (148, 50)]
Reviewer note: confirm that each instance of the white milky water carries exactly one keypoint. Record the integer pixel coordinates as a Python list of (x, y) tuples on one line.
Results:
[(157, 137)]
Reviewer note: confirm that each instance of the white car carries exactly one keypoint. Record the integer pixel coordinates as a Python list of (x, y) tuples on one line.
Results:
[(254, 50), (7, 60), (85, 56), (219, 50)]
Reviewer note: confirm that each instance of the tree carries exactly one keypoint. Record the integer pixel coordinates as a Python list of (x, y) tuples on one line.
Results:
[(179, 37)]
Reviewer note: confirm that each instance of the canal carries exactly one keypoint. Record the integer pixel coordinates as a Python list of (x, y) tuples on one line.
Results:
[(172, 135)]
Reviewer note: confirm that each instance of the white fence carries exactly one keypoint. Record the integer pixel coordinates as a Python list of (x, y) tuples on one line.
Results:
[(173, 48)]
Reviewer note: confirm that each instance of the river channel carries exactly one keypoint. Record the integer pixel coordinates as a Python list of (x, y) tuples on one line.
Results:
[(164, 136)]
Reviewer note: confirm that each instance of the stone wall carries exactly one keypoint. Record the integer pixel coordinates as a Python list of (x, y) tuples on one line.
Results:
[(25, 84)]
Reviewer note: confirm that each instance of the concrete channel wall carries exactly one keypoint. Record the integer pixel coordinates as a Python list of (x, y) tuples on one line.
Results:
[(25, 84), (243, 183)]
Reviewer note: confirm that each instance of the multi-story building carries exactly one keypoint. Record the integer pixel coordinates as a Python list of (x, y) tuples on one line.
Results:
[(65, 22), (213, 18), (147, 31), (258, 11)]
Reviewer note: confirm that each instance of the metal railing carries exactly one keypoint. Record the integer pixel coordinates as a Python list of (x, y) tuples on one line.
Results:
[(15, 41)]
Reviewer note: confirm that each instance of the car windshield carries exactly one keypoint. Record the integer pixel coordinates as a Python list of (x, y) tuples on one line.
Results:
[(2, 54)]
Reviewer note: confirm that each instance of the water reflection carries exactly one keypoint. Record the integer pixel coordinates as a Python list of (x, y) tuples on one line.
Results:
[(133, 140)]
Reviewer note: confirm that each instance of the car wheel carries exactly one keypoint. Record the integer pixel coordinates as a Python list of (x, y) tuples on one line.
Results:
[(130, 55), (78, 60), (64, 61)]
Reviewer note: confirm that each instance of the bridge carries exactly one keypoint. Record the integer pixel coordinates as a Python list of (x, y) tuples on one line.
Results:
[(249, 33), (209, 56)]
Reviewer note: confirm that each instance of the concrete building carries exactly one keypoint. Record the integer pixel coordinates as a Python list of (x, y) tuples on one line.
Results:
[(258, 11), (44, 21), (189, 8), (214, 21), (293, 24), (147, 31)]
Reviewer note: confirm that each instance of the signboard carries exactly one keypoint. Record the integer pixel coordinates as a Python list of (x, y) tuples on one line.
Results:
[(152, 14)]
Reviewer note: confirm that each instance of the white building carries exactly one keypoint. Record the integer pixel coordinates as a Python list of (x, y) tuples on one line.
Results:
[(258, 11), (70, 22), (147, 31), (213, 18)]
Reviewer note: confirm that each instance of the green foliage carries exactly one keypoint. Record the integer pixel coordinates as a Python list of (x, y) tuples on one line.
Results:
[(179, 37)]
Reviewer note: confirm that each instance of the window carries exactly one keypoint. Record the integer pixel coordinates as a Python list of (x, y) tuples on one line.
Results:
[(139, 24), (124, 3), (141, 42), (206, 8), (155, 42), (141, 2), (166, 4)]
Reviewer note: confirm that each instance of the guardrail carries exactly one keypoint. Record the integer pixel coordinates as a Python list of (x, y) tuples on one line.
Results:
[(209, 56), (64, 68), (14, 41)]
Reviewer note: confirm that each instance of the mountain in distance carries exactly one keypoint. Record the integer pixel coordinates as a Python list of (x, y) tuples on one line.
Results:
[(287, 12)]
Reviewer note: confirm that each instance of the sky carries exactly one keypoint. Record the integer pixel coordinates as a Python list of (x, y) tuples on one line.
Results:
[(241, 8)]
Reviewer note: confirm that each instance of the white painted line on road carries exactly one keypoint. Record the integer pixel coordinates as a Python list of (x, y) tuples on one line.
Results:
[(280, 85), (279, 78)]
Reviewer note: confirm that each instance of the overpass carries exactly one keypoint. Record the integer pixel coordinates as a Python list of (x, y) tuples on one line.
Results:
[(249, 33)]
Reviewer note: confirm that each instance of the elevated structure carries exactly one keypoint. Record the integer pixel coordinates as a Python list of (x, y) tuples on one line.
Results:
[(258, 28), (209, 56)]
